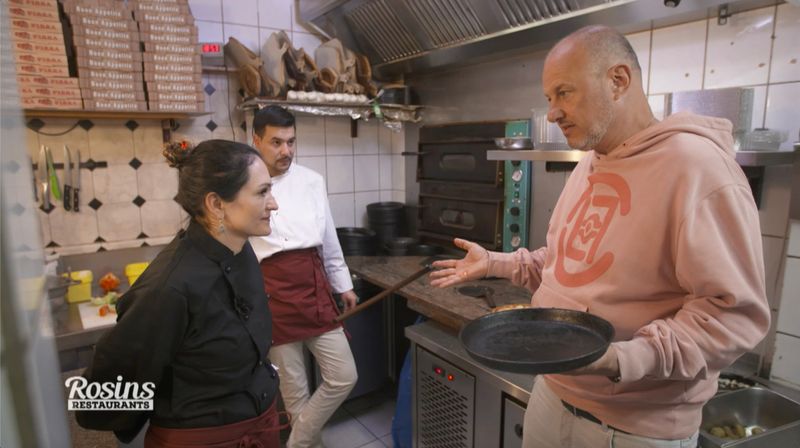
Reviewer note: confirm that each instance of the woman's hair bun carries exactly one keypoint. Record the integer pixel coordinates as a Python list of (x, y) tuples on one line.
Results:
[(177, 153)]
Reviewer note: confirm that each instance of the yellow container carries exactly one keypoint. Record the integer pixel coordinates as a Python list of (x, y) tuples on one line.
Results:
[(134, 270), (83, 291)]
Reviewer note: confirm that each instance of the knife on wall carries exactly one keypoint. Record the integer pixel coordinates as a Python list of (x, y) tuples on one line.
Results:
[(51, 171), (43, 179), (76, 184), (67, 179)]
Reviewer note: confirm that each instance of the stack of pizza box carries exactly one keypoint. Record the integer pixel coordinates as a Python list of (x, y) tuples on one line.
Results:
[(108, 55), (172, 67), (37, 38)]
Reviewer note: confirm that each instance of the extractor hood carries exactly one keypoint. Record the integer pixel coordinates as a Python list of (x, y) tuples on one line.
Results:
[(416, 36)]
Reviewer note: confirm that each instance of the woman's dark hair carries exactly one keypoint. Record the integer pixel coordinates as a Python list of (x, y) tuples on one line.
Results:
[(213, 166), (273, 115)]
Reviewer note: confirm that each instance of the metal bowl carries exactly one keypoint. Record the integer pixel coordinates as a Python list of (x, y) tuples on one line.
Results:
[(513, 143)]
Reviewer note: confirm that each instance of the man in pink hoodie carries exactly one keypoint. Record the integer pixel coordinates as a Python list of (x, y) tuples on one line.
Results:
[(656, 231)]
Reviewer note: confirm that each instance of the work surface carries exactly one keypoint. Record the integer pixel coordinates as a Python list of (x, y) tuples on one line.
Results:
[(447, 305)]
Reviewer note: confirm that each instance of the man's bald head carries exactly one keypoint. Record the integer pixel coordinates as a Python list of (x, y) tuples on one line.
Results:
[(603, 47)]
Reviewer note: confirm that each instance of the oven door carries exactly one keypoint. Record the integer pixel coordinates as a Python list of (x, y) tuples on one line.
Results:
[(467, 211), (459, 162)]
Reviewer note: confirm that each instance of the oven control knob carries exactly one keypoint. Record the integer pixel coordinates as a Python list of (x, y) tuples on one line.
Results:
[(516, 241), (517, 175), (514, 211), (514, 228)]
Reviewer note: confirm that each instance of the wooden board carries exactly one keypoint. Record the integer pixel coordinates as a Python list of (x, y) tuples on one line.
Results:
[(447, 306)]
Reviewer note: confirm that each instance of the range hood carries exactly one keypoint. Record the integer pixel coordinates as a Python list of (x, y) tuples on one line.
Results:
[(417, 36)]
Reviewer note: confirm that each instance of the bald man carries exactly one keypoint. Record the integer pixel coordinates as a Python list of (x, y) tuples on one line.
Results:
[(656, 231)]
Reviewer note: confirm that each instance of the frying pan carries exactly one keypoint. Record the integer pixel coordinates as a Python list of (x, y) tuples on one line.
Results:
[(537, 340)]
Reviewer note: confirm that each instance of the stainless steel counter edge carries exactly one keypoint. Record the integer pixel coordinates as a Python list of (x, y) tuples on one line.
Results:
[(442, 342), (744, 158)]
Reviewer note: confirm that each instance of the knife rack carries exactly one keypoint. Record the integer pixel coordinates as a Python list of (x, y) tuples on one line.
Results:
[(89, 165)]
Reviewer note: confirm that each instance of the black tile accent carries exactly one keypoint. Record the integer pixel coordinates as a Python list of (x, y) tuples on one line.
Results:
[(52, 244), (132, 125), (135, 163), (86, 124), (243, 126), (139, 201), (95, 204), (102, 249), (13, 166), (211, 125), (209, 89), (145, 244), (35, 124), (142, 236), (17, 209), (47, 210), (99, 240)]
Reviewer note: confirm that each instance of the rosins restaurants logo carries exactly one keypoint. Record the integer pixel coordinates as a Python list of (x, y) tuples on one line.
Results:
[(109, 396), (577, 260)]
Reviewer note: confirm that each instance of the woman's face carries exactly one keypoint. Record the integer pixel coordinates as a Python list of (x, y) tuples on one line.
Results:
[(249, 212)]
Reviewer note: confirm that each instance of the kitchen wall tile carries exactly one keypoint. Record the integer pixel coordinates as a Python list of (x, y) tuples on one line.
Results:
[(210, 31), (384, 140), (160, 218), (162, 240), (127, 244), (316, 163), (775, 196), (773, 261), (785, 51), (119, 221), (44, 224), (110, 141), (657, 105), (340, 174), (337, 136), (228, 133), (148, 142), (342, 209), (116, 183), (247, 35), (218, 101), (789, 315), (399, 196), (793, 248), (32, 144), (193, 130), (367, 174), (676, 61), (738, 52), (307, 41), (386, 195), (398, 173), (76, 138), (398, 141), (367, 140), (70, 228), (385, 167), (275, 13), (363, 199), (782, 111), (641, 45), (786, 363), (86, 193), (157, 181), (206, 9), (759, 106), (242, 12), (310, 136), (79, 249)]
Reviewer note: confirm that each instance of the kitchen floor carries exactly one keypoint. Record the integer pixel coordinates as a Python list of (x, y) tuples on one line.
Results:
[(364, 422)]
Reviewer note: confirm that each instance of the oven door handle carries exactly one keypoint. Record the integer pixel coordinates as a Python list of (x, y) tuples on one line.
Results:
[(409, 153)]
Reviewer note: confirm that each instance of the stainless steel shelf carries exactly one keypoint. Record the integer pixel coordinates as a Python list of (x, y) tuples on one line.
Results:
[(745, 158), (393, 112)]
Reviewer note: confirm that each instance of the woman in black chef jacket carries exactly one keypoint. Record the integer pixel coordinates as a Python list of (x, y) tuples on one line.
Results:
[(196, 323)]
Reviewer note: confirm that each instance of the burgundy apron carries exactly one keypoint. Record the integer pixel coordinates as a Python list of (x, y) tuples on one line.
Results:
[(301, 299), (259, 432)]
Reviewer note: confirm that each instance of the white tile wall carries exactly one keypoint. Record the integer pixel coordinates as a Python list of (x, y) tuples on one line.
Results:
[(160, 218), (793, 248), (242, 12), (342, 209), (759, 106), (206, 9), (657, 105), (148, 143), (367, 174), (116, 183), (789, 316), (276, 14), (209, 31), (362, 199), (311, 136), (337, 136), (785, 50), (340, 174), (776, 193), (70, 228), (247, 35), (385, 175), (306, 41), (367, 140), (119, 221), (782, 111), (676, 60), (738, 52), (773, 258), (641, 45), (786, 362)]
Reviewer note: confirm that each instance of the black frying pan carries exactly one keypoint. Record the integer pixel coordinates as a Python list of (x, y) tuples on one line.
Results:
[(537, 340)]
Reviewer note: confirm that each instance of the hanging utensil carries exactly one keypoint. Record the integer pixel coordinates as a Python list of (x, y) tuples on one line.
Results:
[(76, 184), (67, 179), (386, 293), (51, 171), (43, 179)]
